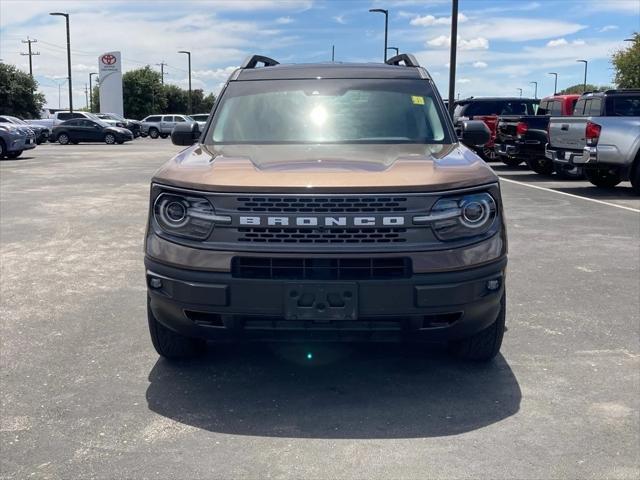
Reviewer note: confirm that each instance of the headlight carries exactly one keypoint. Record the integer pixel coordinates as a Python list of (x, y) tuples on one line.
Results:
[(184, 215), (453, 218)]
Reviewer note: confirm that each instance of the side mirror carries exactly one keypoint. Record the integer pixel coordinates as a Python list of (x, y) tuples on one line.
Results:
[(475, 133), (185, 134)]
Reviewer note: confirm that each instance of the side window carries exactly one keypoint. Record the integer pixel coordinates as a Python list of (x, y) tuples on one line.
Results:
[(596, 106), (64, 116), (4, 120), (77, 115), (482, 108), (579, 108), (178, 118), (626, 106), (556, 107), (71, 123), (155, 118), (167, 118)]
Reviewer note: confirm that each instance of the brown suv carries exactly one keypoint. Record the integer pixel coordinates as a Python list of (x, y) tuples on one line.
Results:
[(327, 202)]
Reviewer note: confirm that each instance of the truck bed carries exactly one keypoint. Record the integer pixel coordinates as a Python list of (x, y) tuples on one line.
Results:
[(567, 133)]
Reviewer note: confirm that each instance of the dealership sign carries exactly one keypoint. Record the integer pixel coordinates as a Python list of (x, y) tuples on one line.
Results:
[(110, 72)]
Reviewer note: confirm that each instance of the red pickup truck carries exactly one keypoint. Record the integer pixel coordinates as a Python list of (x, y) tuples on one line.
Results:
[(488, 109)]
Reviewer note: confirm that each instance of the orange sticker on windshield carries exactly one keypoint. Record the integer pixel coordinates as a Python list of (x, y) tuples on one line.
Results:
[(417, 100)]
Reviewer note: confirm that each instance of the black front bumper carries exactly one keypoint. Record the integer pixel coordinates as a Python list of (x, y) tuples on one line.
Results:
[(434, 306)]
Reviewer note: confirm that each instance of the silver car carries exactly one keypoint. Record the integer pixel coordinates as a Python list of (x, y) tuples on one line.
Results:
[(161, 125), (14, 139)]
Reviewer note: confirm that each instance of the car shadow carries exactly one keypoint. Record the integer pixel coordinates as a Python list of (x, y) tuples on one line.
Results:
[(342, 391)]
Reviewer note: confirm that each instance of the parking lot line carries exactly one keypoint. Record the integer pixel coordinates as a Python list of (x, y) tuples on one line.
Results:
[(502, 179)]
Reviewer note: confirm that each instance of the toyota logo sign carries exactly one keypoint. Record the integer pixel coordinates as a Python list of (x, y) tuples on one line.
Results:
[(108, 59)]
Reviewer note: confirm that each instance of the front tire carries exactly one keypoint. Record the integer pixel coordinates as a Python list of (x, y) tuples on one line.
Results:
[(164, 135), (63, 139), (635, 178), (511, 161), (484, 345), (540, 165), (603, 178), (154, 133), (109, 139), (14, 154), (3, 149), (172, 345)]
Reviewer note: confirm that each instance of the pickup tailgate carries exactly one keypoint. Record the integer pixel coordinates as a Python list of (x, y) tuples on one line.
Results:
[(567, 133)]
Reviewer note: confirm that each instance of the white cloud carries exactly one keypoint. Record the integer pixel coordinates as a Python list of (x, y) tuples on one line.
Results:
[(561, 42), (340, 19), (430, 20), (463, 80), (219, 74), (479, 43), (480, 64), (608, 28), (518, 29), (557, 43), (284, 20)]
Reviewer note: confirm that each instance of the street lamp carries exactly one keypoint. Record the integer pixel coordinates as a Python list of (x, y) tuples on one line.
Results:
[(394, 48), (584, 87), (452, 54), (520, 91), (91, 91), (535, 95), (66, 16), (189, 56), (555, 82), (386, 27)]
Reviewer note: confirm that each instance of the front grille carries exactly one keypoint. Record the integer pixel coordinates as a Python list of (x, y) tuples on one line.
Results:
[(322, 204), (309, 235), (321, 268)]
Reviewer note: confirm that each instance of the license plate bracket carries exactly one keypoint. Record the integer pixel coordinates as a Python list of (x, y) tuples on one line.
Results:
[(321, 302)]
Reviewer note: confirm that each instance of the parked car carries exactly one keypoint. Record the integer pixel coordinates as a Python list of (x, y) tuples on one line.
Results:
[(326, 217), (523, 138), (15, 139), (612, 152), (161, 125), (568, 135), (42, 133), (58, 117), (201, 118), (120, 121), (488, 109), (87, 130)]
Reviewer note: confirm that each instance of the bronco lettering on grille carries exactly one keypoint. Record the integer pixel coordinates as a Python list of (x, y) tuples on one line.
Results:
[(323, 221)]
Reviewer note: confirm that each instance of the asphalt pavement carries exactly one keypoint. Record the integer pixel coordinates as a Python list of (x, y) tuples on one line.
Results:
[(84, 395)]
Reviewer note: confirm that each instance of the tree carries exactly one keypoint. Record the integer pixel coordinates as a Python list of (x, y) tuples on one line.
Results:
[(143, 93), (579, 88), (18, 94), (177, 99), (626, 63), (202, 104), (95, 98)]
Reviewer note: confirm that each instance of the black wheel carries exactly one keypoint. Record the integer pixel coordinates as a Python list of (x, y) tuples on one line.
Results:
[(569, 172), (635, 177), (63, 139), (170, 344), (14, 154), (3, 149), (488, 154), (109, 139), (484, 345), (511, 161), (540, 165), (154, 133), (164, 135), (603, 177)]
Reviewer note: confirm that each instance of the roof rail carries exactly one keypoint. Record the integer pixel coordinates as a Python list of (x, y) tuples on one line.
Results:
[(253, 60), (622, 90), (408, 59)]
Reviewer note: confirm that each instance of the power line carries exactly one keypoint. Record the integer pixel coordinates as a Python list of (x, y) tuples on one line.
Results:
[(30, 54)]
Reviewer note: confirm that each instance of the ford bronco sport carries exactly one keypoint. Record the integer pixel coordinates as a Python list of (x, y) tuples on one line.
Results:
[(327, 202)]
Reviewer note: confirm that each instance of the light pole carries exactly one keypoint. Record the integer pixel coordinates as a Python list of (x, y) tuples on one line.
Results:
[(584, 86), (452, 54), (386, 27), (535, 95), (520, 91), (555, 82), (91, 91), (66, 16), (394, 48), (189, 56)]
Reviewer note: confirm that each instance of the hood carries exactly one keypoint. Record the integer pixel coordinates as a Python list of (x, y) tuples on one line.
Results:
[(335, 168), (118, 130)]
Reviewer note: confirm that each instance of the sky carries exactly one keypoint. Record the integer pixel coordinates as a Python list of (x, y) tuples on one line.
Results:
[(503, 45)]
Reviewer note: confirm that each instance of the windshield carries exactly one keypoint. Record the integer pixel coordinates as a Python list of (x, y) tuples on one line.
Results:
[(16, 120), (329, 111), (102, 123)]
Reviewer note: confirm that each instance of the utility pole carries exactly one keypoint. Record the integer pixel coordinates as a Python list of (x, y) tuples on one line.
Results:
[(91, 91), (188, 53), (31, 54), (162, 74), (584, 85), (86, 94), (333, 53), (452, 54), (520, 91)]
